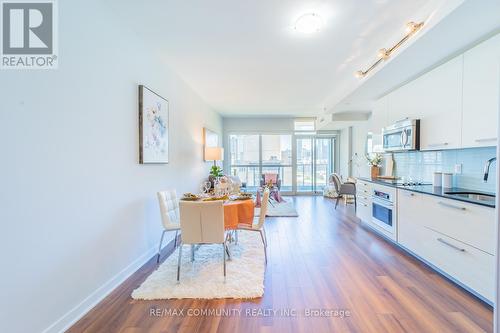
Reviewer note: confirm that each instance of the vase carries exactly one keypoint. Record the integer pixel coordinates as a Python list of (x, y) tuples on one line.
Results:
[(374, 171)]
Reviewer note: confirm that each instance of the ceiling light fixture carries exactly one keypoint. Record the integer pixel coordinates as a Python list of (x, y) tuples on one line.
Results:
[(309, 23), (384, 54)]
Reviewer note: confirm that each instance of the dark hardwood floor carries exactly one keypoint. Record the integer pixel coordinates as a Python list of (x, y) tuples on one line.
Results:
[(321, 260)]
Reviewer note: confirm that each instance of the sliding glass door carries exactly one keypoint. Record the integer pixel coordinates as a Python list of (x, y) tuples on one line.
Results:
[(303, 164), (254, 154), (244, 158), (324, 162), (277, 158), (315, 162)]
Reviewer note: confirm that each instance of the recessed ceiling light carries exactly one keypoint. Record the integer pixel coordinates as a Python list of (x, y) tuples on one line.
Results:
[(309, 23)]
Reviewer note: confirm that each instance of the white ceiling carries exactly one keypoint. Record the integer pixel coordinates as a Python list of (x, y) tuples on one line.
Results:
[(244, 58), (445, 37)]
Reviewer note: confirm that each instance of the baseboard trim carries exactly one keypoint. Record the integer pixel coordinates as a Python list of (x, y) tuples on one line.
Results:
[(75, 314)]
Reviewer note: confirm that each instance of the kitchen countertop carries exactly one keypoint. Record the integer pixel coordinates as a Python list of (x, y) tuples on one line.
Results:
[(433, 190)]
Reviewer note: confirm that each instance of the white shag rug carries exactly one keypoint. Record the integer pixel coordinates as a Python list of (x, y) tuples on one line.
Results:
[(284, 209), (204, 278)]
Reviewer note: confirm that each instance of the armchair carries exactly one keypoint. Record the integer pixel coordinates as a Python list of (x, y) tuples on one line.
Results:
[(347, 188), (265, 177)]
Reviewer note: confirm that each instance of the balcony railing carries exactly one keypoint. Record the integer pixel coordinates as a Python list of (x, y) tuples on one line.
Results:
[(249, 173)]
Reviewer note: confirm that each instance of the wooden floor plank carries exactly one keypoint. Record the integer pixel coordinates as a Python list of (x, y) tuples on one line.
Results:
[(324, 259)]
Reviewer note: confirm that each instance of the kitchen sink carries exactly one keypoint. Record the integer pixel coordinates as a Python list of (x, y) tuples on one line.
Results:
[(473, 196)]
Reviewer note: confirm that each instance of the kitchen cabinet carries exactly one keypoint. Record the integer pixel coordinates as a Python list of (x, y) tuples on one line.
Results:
[(435, 99), (441, 110), (457, 102), (481, 87), (364, 200), (406, 101), (456, 237)]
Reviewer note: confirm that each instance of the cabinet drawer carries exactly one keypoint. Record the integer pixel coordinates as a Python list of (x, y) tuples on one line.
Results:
[(468, 265), (361, 184), (363, 197), (364, 211), (363, 188), (365, 192), (468, 223)]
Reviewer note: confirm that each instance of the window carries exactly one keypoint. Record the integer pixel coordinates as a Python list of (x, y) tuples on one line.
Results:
[(250, 155), (303, 162), (244, 158), (277, 157)]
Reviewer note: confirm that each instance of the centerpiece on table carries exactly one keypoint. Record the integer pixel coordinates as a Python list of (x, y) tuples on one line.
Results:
[(215, 173)]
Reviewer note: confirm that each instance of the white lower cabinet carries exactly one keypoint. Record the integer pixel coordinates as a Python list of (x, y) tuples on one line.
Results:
[(364, 200), (454, 236), (364, 210)]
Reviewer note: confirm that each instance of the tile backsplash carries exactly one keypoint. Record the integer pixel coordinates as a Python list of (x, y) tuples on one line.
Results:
[(420, 166)]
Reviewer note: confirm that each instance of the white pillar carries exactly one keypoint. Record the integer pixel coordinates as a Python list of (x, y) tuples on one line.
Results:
[(496, 316)]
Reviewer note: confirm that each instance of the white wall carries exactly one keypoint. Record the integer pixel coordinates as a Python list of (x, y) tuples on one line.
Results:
[(344, 157), (78, 212), (360, 166), (257, 124), (353, 146)]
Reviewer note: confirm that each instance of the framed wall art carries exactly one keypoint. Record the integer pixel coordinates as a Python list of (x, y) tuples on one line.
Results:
[(153, 127), (210, 139)]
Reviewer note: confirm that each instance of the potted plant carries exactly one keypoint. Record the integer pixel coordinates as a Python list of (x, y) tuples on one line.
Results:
[(215, 172), (374, 161)]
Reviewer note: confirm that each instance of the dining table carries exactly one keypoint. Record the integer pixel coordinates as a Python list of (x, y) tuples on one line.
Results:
[(238, 212)]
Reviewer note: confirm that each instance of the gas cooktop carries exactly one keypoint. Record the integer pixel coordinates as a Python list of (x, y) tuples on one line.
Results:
[(400, 182), (410, 183)]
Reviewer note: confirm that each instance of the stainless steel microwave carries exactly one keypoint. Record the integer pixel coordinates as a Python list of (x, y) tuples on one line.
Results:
[(402, 135)]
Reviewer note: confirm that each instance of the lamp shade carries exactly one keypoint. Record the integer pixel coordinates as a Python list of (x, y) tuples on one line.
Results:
[(214, 153)]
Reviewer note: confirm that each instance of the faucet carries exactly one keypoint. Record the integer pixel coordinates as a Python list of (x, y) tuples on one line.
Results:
[(487, 168)]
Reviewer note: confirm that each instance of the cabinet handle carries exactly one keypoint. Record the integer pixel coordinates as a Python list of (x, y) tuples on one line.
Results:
[(486, 139), (437, 144), (451, 245), (451, 206), (401, 120)]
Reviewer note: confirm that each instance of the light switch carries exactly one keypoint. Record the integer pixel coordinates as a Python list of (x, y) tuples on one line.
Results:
[(458, 168)]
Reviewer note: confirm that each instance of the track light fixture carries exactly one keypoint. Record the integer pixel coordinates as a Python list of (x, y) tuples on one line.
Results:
[(384, 54)]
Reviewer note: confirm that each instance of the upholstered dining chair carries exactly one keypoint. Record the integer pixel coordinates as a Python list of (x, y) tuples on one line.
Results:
[(258, 223), (169, 211), (347, 188), (202, 223)]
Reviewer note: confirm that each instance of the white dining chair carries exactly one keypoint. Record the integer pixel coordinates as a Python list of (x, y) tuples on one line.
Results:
[(169, 211), (202, 223), (258, 223)]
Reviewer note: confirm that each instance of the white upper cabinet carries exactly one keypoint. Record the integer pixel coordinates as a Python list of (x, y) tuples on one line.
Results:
[(435, 99), (406, 102), (481, 87), (440, 101), (457, 103)]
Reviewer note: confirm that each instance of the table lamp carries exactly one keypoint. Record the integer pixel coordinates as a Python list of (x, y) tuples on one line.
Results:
[(214, 154)]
